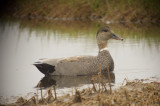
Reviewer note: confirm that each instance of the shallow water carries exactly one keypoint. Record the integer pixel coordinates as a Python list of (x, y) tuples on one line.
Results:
[(24, 42)]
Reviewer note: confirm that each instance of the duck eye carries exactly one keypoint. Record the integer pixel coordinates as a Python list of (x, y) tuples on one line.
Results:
[(105, 30)]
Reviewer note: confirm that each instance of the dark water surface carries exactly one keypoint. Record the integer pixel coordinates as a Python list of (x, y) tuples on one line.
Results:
[(24, 42)]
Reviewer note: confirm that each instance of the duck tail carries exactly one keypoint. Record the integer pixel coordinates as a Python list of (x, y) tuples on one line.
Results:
[(44, 68)]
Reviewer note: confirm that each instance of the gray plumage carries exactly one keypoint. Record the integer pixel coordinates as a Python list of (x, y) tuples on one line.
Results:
[(82, 65)]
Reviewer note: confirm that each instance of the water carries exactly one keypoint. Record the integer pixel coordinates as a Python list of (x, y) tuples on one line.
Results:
[(24, 42)]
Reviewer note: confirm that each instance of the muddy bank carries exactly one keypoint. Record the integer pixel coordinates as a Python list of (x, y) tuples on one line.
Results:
[(136, 92), (105, 10)]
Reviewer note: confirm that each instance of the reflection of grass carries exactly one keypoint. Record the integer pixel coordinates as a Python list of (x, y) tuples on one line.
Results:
[(149, 33), (138, 32), (72, 28)]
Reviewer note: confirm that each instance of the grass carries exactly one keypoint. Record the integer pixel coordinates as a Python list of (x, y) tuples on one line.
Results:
[(122, 10)]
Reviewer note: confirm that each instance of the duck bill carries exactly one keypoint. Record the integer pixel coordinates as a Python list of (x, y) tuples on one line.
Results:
[(117, 37)]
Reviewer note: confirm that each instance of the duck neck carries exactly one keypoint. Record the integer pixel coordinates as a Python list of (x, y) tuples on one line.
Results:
[(102, 45)]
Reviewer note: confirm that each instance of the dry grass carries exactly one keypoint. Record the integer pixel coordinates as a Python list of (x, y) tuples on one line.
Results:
[(133, 93), (121, 10)]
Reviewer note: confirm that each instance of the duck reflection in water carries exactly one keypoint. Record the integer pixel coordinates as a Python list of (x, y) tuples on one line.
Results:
[(71, 81)]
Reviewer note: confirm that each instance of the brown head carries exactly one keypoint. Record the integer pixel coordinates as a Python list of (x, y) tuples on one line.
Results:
[(103, 35)]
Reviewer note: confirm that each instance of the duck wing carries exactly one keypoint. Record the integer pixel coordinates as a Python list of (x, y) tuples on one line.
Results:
[(79, 65)]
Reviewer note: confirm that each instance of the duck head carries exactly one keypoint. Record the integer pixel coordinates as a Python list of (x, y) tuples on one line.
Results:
[(103, 35)]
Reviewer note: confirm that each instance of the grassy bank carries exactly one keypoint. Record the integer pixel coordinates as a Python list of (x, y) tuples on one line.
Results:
[(115, 10)]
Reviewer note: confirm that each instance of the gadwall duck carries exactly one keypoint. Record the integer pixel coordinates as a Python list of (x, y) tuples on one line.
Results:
[(82, 65)]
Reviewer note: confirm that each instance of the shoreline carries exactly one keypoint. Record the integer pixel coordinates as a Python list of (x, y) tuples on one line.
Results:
[(70, 19), (136, 92)]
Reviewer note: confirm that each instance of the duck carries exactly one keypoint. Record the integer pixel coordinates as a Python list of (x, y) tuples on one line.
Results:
[(82, 65)]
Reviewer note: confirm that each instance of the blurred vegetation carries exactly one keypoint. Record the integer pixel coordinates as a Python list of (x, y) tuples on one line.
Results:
[(132, 32), (121, 10), (135, 32)]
